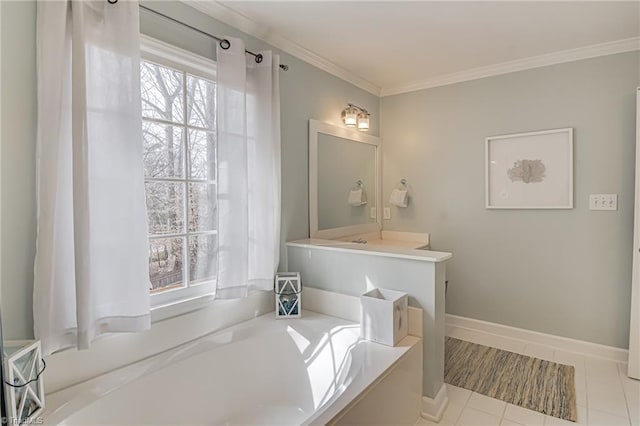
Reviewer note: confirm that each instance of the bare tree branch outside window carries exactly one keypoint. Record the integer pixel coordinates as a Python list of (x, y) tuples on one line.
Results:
[(180, 173)]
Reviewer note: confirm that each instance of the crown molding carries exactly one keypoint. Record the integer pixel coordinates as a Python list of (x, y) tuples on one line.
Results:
[(237, 20), (563, 56)]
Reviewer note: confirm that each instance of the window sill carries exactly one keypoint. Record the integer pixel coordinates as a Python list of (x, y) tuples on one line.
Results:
[(171, 310), (182, 307)]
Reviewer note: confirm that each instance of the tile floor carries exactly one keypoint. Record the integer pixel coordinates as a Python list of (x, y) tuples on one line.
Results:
[(605, 396)]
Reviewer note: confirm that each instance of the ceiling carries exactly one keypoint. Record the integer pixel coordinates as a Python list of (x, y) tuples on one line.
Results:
[(396, 46)]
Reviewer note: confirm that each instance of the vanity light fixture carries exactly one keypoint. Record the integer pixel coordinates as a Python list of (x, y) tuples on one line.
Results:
[(354, 116), (350, 116), (363, 121)]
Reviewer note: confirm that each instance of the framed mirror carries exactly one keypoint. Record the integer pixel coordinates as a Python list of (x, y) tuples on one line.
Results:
[(344, 181)]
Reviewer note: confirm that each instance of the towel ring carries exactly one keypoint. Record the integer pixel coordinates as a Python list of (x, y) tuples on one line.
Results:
[(358, 185), (402, 184)]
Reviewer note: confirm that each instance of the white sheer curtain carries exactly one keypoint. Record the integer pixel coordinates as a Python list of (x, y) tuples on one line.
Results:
[(91, 273), (248, 120)]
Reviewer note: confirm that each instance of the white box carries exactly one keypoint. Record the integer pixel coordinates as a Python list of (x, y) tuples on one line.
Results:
[(384, 316)]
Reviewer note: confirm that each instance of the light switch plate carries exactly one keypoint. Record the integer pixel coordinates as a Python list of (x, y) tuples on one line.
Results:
[(372, 213), (387, 213), (603, 202)]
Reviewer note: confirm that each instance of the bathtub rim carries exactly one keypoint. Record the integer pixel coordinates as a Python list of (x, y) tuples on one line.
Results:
[(354, 394), (62, 404)]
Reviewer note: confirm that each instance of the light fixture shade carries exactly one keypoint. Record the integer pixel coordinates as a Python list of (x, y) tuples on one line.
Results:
[(363, 121), (350, 116)]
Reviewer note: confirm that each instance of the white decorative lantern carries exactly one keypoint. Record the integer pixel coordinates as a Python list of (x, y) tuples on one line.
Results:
[(24, 388), (288, 289)]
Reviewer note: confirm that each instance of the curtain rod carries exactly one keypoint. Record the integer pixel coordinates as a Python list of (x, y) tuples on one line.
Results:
[(224, 43)]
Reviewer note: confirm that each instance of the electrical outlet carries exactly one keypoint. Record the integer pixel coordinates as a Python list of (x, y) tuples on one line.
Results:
[(603, 202), (387, 213), (372, 213)]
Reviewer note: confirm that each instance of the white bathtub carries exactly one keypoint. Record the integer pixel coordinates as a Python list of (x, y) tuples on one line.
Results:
[(313, 370)]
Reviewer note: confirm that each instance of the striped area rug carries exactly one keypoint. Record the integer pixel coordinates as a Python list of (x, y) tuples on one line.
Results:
[(531, 383)]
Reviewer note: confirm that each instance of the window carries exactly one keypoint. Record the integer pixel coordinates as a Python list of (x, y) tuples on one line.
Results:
[(179, 139)]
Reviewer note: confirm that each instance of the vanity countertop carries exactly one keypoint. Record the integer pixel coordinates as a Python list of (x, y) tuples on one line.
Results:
[(385, 248)]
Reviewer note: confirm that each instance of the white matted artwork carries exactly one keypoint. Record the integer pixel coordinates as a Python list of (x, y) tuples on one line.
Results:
[(530, 170)]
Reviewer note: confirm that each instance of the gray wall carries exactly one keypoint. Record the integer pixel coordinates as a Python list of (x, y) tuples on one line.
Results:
[(18, 226), (564, 272), (306, 92)]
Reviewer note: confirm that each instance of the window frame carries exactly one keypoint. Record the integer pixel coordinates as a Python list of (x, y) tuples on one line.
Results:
[(167, 55)]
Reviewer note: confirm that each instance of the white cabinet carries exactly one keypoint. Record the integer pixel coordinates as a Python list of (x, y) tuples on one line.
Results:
[(634, 334)]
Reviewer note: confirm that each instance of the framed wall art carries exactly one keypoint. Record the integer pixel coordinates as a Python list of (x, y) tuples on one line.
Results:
[(530, 170)]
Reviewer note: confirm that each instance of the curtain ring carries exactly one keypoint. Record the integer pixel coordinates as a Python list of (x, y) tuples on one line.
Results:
[(224, 43), (259, 57), (112, 1)]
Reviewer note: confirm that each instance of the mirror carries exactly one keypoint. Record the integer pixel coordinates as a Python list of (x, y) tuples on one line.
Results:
[(344, 181)]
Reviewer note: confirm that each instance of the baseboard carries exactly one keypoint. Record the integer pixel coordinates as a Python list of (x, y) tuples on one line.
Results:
[(433, 408), (572, 345)]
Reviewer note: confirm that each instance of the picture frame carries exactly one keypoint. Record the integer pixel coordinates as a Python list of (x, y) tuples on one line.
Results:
[(532, 170)]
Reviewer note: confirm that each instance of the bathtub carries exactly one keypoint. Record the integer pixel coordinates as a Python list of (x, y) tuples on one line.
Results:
[(312, 370)]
